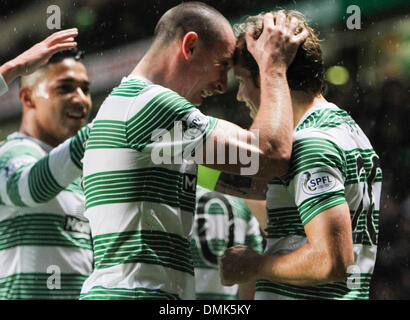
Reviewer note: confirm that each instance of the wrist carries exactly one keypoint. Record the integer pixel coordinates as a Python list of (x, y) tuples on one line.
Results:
[(273, 70), (260, 267), (265, 270), (10, 70)]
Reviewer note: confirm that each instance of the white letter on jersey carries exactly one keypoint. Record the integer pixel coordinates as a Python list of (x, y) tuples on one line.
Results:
[(54, 281), (253, 160), (353, 22), (353, 281), (162, 147), (54, 21)]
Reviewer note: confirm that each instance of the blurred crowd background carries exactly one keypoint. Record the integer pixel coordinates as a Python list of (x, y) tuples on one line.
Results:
[(367, 72)]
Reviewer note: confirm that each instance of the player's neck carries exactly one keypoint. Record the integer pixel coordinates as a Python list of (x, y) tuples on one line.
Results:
[(302, 102), (156, 69)]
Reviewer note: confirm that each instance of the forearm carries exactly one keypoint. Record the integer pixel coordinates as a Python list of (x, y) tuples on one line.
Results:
[(275, 118), (302, 267)]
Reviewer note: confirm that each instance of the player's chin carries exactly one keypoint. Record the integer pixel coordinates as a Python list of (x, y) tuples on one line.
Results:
[(72, 126)]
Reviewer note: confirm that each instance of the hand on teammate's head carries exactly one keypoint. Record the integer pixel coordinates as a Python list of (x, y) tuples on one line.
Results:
[(279, 41), (38, 55)]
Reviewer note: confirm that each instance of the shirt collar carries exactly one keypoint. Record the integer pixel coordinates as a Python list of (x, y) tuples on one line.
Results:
[(316, 107), (46, 147)]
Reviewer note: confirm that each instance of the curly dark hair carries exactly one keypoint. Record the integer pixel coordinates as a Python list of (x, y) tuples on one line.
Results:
[(305, 73)]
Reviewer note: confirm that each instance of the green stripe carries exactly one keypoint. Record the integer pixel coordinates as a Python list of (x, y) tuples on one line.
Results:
[(43, 187), (151, 247), (311, 207), (255, 242), (77, 146), (326, 119), (159, 113), (39, 230), (309, 153), (129, 88), (34, 286), (101, 293), (284, 222), (13, 188), (215, 296), (336, 290), (155, 184), (108, 134), (13, 154)]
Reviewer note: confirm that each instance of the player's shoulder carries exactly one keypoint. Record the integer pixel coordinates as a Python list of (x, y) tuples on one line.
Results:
[(325, 121), (130, 87), (18, 142)]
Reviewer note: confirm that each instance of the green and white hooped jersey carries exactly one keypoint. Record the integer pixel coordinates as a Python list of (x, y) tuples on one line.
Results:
[(141, 210), (333, 162), (221, 221), (45, 244)]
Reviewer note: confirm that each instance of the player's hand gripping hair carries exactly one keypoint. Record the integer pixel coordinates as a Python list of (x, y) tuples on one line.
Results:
[(38, 55), (274, 50), (278, 43)]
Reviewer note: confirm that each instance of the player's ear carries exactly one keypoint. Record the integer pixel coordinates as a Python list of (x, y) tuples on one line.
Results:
[(190, 43), (25, 97)]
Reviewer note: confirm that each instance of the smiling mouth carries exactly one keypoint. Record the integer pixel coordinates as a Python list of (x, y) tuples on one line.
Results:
[(76, 115)]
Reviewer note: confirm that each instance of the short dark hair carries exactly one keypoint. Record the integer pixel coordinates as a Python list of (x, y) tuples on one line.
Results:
[(74, 53), (190, 16), (305, 73)]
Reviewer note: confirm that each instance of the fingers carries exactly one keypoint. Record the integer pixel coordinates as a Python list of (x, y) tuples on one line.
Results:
[(62, 46), (293, 25), (268, 23), (62, 36), (250, 41), (301, 36), (280, 19)]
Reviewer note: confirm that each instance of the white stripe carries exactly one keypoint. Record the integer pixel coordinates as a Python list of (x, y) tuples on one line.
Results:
[(64, 171), (149, 276), (132, 216), (38, 259), (209, 281)]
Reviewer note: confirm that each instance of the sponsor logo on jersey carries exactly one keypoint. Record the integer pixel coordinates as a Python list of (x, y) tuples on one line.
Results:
[(317, 182), (189, 183), (74, 224)]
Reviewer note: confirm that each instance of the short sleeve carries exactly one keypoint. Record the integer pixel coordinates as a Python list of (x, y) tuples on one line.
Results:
[(168, 125), (316, 176)]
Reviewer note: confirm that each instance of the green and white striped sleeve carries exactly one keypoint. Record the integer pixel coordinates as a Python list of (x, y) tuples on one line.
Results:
[(253, 237), (167, 122), (316, 175), (28, 177)]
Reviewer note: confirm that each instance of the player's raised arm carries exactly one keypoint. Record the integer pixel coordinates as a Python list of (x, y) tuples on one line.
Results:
[(36, 56), (270, 137)]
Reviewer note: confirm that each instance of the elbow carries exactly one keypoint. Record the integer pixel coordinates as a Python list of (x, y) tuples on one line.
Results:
[(275, 164), (339, 268)]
